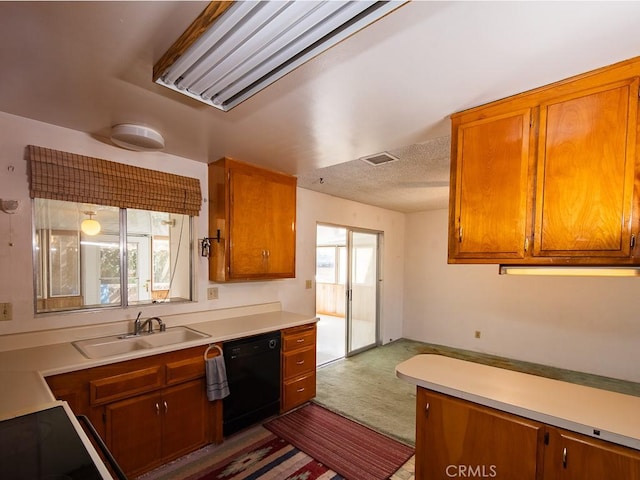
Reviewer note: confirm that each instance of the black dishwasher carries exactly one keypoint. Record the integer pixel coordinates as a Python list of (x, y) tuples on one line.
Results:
[(253, 373)]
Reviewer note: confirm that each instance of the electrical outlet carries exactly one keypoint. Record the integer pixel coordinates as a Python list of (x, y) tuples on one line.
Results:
[(6, 311), (212, 293), (478, 333), (308, 284)]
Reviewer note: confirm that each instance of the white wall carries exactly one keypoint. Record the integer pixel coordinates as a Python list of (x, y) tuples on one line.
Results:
[(587, 324), (16, 274)]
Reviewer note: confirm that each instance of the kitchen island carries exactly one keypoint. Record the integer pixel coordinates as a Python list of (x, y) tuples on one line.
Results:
[(483, 416)]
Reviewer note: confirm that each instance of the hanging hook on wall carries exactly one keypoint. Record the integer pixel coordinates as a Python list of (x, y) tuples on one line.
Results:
[(205, 244)]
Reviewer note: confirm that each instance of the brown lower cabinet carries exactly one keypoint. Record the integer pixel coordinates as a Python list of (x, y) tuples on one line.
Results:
[(298, 366), (148, 410), (460, 439), (571, 456), (149, 430)]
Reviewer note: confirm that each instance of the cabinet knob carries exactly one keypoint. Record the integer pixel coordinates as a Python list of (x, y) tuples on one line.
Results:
[(564, 457)]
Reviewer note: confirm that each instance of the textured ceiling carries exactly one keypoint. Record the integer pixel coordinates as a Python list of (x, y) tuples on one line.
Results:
[(417, 181)]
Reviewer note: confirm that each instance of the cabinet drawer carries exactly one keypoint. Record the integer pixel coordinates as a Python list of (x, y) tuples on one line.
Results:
[(298, 362), (182, 370), (108, 389), (298, 391), (298, 338)]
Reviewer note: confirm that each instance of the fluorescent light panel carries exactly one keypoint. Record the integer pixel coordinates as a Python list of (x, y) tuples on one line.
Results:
[(570, 271), (253, 44)]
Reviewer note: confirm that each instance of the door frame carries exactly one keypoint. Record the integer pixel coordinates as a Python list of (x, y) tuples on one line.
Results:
[(348, 290)]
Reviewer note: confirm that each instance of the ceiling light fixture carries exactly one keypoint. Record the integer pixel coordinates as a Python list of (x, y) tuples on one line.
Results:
[(136, 137), (235, 49), (570, 271), (89, 226)]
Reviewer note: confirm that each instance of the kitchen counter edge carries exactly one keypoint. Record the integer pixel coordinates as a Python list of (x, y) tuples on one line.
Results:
[(594, 412), (23, 371)]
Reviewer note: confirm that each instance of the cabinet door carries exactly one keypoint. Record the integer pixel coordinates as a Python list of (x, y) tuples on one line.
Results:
[(134, 433), (184, 414), (262, 224), (491, 188), (455, 438), (281, 259), (571, 456), (586, 172)]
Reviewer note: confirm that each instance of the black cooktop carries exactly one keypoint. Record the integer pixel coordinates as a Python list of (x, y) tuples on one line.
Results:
[(44, 445)]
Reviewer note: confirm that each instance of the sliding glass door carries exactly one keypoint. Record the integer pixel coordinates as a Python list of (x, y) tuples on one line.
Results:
[(362, 291), (347, 283)]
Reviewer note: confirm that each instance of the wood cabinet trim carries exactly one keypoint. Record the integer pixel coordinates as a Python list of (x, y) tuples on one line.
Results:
[(109, 389), (300, 339), (183, 370)]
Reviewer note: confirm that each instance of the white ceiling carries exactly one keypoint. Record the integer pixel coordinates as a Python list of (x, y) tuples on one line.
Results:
[(390, 87)]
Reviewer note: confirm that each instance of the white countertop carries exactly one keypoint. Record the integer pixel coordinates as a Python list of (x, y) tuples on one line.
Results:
[(602, 414), (22, 371)]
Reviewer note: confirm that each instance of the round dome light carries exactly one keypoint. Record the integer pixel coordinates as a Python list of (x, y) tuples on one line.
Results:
[(89, 226), (136, 137)]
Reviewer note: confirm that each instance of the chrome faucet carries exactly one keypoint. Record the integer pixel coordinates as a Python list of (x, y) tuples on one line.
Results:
[(149, 323), (137, 327)]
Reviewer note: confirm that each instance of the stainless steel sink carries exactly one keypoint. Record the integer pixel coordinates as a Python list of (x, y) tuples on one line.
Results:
[(120, 344)]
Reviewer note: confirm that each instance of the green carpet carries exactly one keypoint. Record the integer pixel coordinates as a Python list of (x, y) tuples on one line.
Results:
[(365, 388)]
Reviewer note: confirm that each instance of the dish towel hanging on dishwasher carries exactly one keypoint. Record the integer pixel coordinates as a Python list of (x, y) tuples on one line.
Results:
[(217, 385)]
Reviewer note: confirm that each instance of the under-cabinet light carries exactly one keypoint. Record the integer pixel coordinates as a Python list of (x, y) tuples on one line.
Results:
[(246, 46), (570, 271)]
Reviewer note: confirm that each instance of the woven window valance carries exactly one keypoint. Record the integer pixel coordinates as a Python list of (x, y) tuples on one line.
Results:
[(66, 176)]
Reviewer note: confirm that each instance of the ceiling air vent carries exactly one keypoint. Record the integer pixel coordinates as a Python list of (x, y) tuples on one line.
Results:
[(379, 159)]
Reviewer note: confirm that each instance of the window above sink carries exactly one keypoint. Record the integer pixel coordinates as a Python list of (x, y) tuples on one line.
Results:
[(108, 234), (138, 257)]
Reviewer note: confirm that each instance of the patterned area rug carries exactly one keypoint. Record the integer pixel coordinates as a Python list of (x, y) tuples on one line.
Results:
[(270, 459), (354, 451)]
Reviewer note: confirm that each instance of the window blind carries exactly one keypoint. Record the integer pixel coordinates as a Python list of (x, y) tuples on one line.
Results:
[(67, 176)]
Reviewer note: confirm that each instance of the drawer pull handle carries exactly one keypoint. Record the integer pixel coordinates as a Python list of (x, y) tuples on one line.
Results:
[(300, 340), (166, 407), (300, 390), (564, 457), (301, 362), (157, 409), (426, 408)]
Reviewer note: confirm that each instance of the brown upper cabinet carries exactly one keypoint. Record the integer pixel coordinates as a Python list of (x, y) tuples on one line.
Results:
[(549, 176), (252, 222)]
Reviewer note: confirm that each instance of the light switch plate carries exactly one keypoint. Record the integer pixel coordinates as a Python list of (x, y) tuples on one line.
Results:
[(6, 311)]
